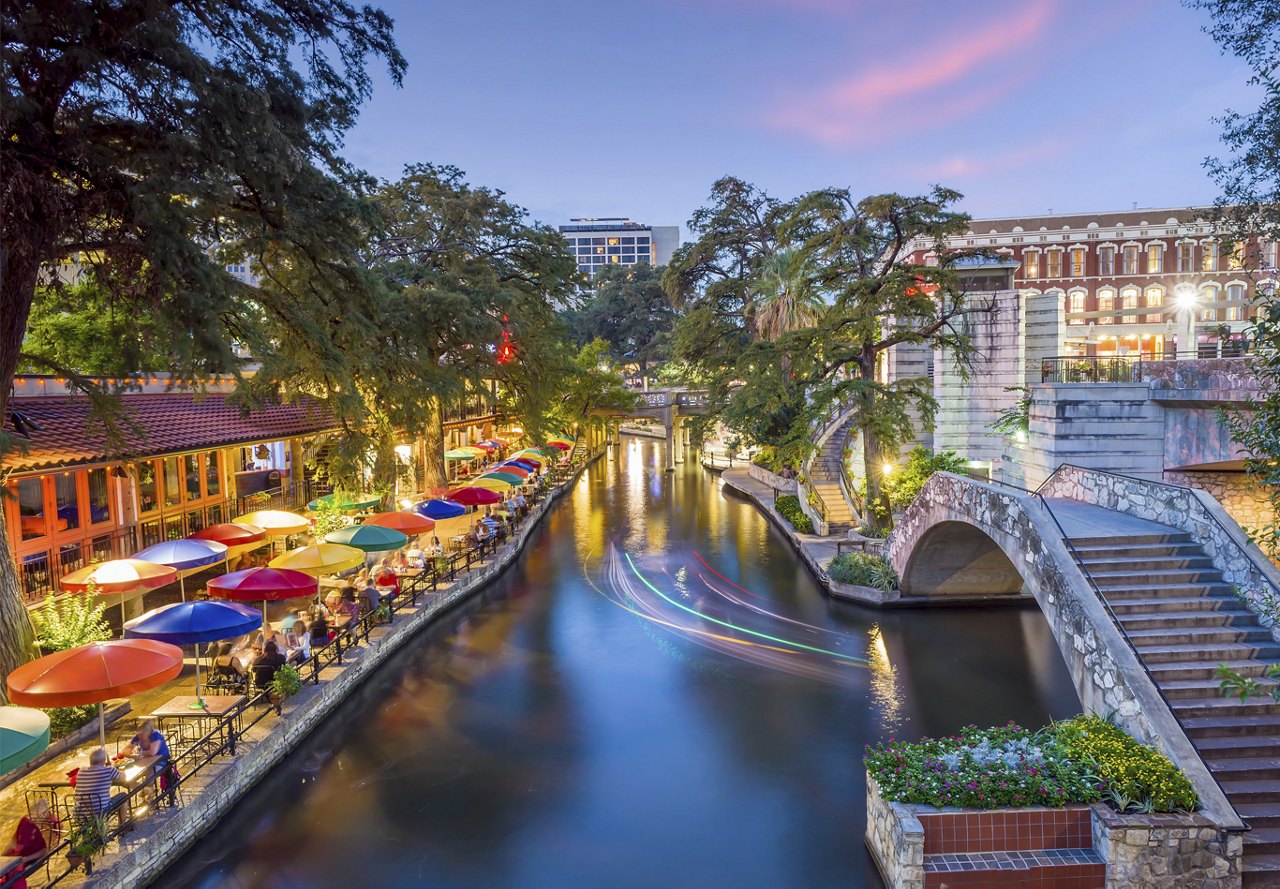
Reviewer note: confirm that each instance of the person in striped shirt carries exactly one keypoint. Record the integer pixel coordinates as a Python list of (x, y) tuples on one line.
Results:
[(93, 786)]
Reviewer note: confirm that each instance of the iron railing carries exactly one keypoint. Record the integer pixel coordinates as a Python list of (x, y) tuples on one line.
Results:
[(1126, 368)]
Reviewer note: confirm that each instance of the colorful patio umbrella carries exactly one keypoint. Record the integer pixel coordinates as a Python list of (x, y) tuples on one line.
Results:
[(439, 509), (346, 502), (276, 522), (496, 442), (493, 484), (321, 558), (483, 446), (186, 555), (94, 673), (474, 496), (562, 445), (191, 623), (514, 469), (403, 521), (531, 457), (369, 538), (232, 535), (261, 584), (24, 735), (461, 454), (509, 477), (523, 463), (119, 576)]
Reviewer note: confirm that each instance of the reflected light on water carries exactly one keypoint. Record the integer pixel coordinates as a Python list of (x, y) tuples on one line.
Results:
[(884, 682)]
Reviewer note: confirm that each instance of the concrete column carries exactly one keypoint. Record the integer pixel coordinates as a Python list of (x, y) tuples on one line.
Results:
[(671, 441)]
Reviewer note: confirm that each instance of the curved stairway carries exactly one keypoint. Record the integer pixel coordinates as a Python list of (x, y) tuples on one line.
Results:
[(1184, 620), (824, 477)]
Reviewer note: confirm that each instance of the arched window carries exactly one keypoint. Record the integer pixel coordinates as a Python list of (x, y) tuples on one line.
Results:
[(1106, 260), (1129, 298), (1235, 293), (1076, 305), (1186, 256), (1209, 296), (1053, 262), (1155, 296), (1209, 256), (1106, 303), (1077, 262), (1031, 263), (1155, 259)]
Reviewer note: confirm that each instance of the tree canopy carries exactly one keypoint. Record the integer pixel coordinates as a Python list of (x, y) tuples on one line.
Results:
[(630, 311)]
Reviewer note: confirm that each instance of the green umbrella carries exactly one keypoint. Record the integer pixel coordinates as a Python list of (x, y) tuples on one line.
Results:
[(460, 454), (509, 477), (370, 538), (346, 502), (24, 735)]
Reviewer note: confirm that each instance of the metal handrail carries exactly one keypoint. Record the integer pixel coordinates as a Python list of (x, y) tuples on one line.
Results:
[(1115, 621)]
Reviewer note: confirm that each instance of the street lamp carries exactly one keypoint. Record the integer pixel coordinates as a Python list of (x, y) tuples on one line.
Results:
[(1186, 300)]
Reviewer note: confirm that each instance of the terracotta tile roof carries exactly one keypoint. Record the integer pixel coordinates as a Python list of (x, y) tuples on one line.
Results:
[(158, 424)]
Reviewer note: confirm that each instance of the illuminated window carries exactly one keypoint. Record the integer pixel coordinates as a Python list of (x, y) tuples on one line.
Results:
[(1235, 257), (66, 501), (1129, 298), (1131, 260), (1155, 296), (1235, 313), (1155, 259), (1267, 254), (1106, 260), (191, 476), (600, 250), (1053, 263), (1077, 262), (213, 473), (614, 259), (31, 508), (172, 482), (613, 242), (99, 497), (1106, 300), (1209, 313), (1031, 264), (1186, 256), (148, 486), (1077, 302), (1209, 256)]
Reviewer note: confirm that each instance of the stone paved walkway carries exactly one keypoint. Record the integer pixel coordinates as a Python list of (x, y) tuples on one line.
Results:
[(815, 549)]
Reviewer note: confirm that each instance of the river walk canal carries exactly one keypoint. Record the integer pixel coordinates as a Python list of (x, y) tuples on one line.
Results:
[(657, 694)]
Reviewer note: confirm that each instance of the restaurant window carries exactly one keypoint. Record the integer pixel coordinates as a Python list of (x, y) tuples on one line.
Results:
[(1077, 262), (66, 501), (1155, 259), (1106, 260), (1031, 264), (1186, 256), (99, 497), (173, 529), (1209, 256), (1053, 261), (1155, 296), (148, 487), (191, 475), (213, 473), (1209, 313), (172, 482), (31, 508), (1129, 298), (1235, 313)]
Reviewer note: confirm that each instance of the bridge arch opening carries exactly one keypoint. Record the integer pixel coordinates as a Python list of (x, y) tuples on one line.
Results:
[(959, 559)]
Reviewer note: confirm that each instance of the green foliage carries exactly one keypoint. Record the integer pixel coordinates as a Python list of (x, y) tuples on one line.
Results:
[(1081, 760), (903, 486), (88, 834), (65, 720), (789, 507), (1129, 770), (1233, 683), (329, 517), (71, 621), (287, 682), (1015, 420), (863, 569), (629, 310)]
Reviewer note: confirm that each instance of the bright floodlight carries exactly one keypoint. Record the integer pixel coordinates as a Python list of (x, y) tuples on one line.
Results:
[(1186, 298)]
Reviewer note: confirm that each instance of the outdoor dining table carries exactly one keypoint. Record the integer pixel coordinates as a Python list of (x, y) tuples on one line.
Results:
[(215, 707)]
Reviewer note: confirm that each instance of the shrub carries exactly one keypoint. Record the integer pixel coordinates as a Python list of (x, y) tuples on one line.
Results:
[(65, 720), (903, 486), (65, 623), (863, 569), (1135, 775), (287, 682), (789, 506)]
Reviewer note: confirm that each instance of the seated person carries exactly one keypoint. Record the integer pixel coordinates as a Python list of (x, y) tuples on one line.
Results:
[(148, 742), (348, 613), (266, 664), (370, 594), (386, 580), (93, 786), (320, 633), (414, 557), (29, 845), (298, 641), (333, 600), (435, 548), (473, 536)]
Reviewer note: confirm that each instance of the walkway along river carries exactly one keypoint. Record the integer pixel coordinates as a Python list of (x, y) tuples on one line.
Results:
[(656, 695)]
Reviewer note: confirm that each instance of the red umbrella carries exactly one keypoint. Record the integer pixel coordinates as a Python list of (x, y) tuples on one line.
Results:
[(263, 584), (405, 522), (562, 445), (94, 673), (472, 496), (231, 534), (512, 469)]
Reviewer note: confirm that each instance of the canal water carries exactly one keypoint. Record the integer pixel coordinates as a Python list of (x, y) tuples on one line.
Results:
[(656, 695)]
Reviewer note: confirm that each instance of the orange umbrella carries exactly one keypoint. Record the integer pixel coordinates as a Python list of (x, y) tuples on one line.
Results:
[(94, 673), (119, 576), (405, 522)]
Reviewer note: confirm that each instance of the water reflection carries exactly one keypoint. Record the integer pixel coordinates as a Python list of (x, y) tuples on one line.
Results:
[(695, 717)]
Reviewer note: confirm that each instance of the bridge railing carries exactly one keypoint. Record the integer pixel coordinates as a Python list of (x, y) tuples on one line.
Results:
[(1039, 495)]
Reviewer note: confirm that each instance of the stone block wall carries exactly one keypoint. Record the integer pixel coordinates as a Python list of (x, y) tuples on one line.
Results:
[(1165, 851), (1238, 494), (896, 839), (777, 482)]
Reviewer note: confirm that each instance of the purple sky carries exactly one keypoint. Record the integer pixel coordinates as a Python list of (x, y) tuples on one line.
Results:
[(634, 107)]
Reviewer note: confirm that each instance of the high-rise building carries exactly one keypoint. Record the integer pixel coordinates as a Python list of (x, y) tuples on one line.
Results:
[(598, 242)]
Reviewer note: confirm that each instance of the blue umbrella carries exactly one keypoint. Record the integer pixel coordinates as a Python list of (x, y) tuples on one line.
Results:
[(24, 735), (440, 509), (191, 623), (185, 555), (525, 464)]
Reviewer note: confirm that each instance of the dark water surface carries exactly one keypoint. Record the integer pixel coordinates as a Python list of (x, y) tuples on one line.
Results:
[(657, 694)]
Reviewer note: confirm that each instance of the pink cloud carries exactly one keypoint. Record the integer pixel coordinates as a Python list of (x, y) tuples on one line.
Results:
[(927, 89), (963, 166)]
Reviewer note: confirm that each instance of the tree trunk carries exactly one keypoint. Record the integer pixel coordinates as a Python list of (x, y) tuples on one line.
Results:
[(434, 480), (17, 636), (876, 503)]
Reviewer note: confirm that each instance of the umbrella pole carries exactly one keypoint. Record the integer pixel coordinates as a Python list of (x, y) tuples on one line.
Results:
[(102, 726), (182, 586), (199, 702), (122, 612)]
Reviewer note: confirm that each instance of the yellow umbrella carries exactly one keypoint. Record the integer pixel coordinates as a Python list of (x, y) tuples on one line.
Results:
[(491, 484), (276, 522), (323, 558)]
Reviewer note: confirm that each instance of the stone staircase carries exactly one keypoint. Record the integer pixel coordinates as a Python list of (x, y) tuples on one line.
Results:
[(824, 477), (1184, 621)]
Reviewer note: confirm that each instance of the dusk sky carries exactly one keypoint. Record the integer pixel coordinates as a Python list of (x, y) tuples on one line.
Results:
[(635, 108)]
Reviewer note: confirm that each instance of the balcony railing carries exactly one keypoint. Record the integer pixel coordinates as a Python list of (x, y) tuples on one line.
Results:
[(1124, 368)]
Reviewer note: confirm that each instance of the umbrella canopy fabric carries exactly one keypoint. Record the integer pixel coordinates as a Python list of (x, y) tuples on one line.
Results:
[(562, 445), (185, 554), (369, 538), (258, 584), (536, 457), (509, 477), (322, 558), (496, 442), (403, 521), (524, 463), (24, 735), (94, 673), (191, 623), (483, 446), (119, 576), (493, 484), (276, 522), (461, 454), (231, 534), (440, 509), (474, 496), (346, 502), (514, 469)]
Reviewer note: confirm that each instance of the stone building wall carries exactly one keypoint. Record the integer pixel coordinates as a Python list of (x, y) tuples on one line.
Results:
[(1237, 493), (1165, 851)]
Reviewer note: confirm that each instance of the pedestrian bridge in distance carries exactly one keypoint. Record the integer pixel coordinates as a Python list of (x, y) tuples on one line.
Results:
[(1135, 579), (671, 407)]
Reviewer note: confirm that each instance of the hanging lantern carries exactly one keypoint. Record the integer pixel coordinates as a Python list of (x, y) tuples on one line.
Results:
[(506, 352)]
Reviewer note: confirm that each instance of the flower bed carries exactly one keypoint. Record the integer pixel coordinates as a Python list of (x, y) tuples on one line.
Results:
[(863, 569), (789, 506), (1082, 760)]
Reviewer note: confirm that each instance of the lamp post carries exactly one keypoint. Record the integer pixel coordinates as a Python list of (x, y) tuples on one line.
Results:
[(1186, 300)]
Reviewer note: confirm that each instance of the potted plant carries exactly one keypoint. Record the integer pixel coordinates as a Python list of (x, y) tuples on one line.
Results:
[(86, 838), (287, 683)]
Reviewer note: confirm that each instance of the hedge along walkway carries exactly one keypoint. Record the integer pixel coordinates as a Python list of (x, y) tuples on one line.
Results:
[(163, 834)]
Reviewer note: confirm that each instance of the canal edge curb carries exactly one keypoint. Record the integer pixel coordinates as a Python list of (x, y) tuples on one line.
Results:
[(147, 860)]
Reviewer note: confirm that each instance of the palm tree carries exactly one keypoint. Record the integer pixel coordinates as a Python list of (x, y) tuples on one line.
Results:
[(785, 297)]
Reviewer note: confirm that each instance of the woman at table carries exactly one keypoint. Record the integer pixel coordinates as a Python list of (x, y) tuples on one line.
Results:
[(386, 580), (348, 613), (435, 548), (29, 845), (298, 641), (149, 742)]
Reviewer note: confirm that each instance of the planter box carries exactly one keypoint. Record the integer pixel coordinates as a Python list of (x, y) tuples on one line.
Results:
[(777, 482), (1076, 847)]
